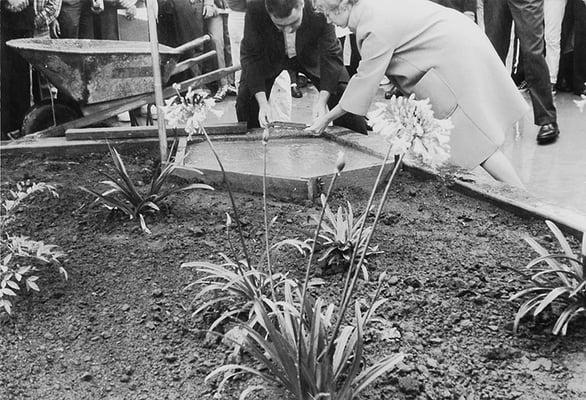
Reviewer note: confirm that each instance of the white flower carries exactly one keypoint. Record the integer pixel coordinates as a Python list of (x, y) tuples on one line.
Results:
[(409, 126), (189, 111)]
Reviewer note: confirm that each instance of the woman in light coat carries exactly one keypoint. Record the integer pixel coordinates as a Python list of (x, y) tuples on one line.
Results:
[(436, 53)]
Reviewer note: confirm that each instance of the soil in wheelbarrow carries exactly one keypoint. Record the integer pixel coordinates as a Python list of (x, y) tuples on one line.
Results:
[(121, 327)]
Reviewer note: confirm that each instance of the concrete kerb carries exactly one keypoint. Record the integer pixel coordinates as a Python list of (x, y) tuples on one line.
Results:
[(504, 196)]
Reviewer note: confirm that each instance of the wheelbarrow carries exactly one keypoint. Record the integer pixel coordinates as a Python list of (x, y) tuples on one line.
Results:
[(98, 79)]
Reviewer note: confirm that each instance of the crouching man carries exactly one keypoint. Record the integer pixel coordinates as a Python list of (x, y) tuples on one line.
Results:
[(290, 34)]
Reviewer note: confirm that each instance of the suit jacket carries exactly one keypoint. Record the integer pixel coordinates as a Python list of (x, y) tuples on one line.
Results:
[(263, 55)]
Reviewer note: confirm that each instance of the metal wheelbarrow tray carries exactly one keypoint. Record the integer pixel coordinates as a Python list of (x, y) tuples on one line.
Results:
[(94, 71), (105, 77)]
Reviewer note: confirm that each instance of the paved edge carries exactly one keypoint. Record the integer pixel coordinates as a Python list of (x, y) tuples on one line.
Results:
[(504, 196)]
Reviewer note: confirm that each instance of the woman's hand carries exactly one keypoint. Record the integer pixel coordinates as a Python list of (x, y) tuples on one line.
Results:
[(319, 125)]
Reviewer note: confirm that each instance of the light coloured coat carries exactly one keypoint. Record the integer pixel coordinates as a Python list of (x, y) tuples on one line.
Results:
[(436, 53)]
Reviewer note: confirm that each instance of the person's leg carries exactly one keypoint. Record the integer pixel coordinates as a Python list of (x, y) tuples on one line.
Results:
[(68, 18), (215, 28), (15, 82), (553, 13), (236, 31), (497, 25), (108, 24), (86, 21), (579, 73), (528, 18), (501, 169)]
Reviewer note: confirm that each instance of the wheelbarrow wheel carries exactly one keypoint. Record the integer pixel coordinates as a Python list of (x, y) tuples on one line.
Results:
[(40, 116)]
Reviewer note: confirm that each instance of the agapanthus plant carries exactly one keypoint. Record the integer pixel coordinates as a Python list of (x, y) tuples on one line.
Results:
[(188, 111), (410, 127)]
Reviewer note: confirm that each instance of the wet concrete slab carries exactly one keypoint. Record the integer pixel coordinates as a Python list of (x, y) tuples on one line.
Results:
[(555, 174)]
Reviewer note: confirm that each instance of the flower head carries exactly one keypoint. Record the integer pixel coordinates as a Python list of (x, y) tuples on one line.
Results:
[(409, 125), (189, 111), (341, 161)]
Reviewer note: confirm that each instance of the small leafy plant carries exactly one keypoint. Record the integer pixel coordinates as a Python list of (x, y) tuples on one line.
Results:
[(234, 285), (21, 256), (340, 234), (557, 280), (122, 193)]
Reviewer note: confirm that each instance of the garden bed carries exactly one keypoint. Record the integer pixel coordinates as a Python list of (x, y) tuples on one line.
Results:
[(121, 327)]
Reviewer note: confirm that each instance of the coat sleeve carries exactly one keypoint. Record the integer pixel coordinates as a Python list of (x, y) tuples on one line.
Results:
[(376, 52), (253, 57), (331, 60)]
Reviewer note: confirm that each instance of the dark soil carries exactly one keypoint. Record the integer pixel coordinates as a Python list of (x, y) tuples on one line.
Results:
[(121, 326)]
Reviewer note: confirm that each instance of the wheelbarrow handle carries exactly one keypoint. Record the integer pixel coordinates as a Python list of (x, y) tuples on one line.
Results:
[(186, 64), (192, 44)]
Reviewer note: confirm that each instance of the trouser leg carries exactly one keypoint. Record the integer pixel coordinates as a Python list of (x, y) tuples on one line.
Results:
[(579, 75), (69, 17), (215, 27), (15, 83), (553, 13), (236, 31), (528, 18), (497, 25)]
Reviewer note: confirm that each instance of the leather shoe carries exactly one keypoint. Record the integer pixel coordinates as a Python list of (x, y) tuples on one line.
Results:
[(548, 133)]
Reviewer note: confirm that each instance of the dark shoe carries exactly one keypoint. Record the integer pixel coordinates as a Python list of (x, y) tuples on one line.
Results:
[(548, 133), (221, 94), (296, 92)]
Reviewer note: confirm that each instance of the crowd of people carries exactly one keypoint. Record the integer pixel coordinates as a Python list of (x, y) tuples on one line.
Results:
[(455, 54)]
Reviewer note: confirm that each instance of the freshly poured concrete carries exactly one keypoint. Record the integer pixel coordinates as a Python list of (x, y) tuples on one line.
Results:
[(303, 157), (299, 166), (555, 172)]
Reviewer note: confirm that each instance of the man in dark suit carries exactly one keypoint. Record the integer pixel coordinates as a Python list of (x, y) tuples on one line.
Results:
[(289, 34), (529, 26)]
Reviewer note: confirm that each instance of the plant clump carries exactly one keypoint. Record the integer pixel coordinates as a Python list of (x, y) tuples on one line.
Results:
[(557, 281)]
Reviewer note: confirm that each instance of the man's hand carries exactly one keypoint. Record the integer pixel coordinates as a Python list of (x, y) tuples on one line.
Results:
[(264, 115), (319, 110), (320, 107), (55, 29), (319, 125), (264, 109), (16, 5)]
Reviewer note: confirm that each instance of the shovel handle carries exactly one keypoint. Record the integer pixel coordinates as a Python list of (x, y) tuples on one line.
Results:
[(192, 44)]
